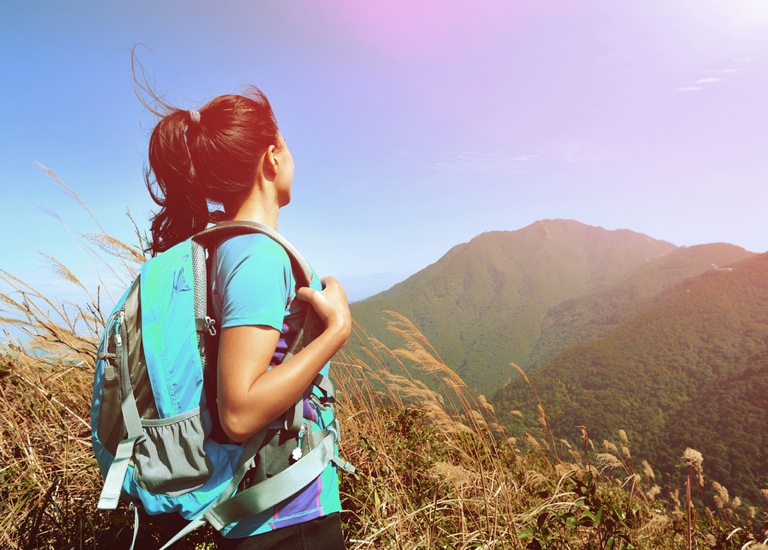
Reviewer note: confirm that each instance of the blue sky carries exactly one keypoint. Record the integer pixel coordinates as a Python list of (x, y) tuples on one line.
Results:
[(415, 125)]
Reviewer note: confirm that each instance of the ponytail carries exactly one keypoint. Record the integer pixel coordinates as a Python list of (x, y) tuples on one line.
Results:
[(183, 205), (199, 159)]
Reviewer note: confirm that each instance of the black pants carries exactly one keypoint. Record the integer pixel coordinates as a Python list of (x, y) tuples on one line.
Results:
[(318, 534)]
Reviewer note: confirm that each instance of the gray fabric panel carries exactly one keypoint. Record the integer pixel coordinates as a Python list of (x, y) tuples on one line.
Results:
[(137, 365), (170, 459)]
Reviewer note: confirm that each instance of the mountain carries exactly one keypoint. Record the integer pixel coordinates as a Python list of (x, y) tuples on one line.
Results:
[(688, 370), (516, 296)]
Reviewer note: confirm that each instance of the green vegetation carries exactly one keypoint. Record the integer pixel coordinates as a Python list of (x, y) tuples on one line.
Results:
[(689, 370), (592, 316)]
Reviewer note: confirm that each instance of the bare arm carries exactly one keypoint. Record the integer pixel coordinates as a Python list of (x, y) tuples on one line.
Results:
[(251, 396)]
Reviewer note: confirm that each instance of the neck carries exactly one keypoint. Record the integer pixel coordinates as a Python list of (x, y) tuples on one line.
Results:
[(260, 208)]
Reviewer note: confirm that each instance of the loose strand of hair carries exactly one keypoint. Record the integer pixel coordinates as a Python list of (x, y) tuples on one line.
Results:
[(210, 157), (143, 89)]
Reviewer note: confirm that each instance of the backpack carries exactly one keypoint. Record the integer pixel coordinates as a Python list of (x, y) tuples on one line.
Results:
[(153, 433)]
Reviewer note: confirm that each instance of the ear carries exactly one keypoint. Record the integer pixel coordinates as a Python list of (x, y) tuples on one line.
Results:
[(270, 162)]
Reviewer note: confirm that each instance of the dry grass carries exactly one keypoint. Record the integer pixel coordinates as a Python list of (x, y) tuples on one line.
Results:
[(428, 476)]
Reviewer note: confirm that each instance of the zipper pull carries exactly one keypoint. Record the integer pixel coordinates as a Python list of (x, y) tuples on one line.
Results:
[(209, 325), (118, 323), (297, 453)]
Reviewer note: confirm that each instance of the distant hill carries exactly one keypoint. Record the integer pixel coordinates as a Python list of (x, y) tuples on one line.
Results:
[(690, 369), (516, 296)]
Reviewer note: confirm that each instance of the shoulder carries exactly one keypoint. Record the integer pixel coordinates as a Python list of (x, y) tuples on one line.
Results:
[(252, 282), (252, 259), (252, 247)]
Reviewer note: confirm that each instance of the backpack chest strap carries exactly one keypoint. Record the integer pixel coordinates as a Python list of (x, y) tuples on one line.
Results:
[(273, 490)]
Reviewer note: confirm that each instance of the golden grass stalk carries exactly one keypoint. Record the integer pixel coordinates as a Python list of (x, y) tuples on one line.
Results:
[(542, 413)]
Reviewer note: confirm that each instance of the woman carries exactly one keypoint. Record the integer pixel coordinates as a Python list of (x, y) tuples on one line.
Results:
[(230, 153)]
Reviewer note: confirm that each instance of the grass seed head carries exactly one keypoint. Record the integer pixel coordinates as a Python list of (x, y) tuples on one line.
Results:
[(694, 460), (647, 470), (722, 493)]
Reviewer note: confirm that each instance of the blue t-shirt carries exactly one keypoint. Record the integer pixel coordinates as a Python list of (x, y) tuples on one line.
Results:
[(253, 284)]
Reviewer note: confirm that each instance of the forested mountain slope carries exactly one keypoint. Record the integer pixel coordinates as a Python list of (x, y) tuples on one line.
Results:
[(586, 318), (690, 370), (481, 305)]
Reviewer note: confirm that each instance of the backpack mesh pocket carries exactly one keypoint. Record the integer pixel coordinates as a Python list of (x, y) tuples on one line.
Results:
[(170, 458)]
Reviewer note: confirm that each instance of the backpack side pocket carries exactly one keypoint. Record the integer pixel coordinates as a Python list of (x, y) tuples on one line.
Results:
[(170, 458)]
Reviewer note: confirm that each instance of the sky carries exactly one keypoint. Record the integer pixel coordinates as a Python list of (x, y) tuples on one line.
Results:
[(415, 125)]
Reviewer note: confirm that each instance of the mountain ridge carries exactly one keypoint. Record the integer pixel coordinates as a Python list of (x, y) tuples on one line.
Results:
[(482, 304)]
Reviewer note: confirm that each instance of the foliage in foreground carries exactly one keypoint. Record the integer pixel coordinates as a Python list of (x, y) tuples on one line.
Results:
[(432, 473)]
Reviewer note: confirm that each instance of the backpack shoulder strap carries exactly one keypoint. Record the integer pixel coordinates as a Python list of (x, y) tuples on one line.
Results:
[(209, 239), (212, 236)]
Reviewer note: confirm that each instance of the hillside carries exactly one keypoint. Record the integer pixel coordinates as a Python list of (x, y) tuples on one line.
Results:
[(587, 318), (482, 304), (689, 370)]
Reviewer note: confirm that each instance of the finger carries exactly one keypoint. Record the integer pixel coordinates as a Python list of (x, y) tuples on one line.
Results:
[(305, 294), (330, 283)]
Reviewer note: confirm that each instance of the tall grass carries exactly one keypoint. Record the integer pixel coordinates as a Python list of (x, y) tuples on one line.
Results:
[(435, 468)]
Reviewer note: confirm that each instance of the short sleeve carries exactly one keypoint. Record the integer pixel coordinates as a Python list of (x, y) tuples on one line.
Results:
[(253, 283)]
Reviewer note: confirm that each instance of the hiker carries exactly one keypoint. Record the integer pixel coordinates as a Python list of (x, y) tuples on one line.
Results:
[(230, 153)]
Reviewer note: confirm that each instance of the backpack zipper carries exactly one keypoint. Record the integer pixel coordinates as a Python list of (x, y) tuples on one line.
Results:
[(118, 324), (209, 325), (297, 453)]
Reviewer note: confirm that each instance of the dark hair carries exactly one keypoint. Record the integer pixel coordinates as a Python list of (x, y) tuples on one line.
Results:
[(198, 159)]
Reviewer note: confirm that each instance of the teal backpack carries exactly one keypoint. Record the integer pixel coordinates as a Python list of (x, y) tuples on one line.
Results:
[(154, 435)]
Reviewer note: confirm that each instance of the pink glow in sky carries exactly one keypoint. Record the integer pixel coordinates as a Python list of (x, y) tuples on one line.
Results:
[(415, 125)]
